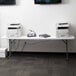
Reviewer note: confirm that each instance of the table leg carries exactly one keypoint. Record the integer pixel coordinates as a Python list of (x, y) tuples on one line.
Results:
[(67, 56), (66, 46), (10, 47)]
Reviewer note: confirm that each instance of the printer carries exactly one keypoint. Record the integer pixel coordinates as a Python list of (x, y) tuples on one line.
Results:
[(14, 30), (62, 30)]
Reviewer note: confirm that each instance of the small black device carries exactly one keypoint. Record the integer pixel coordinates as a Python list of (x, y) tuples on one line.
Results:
[(7, 2), (44, 35), (47, 1)]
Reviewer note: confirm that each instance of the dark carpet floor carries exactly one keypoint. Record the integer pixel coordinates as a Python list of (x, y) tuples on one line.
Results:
[(38, 64)]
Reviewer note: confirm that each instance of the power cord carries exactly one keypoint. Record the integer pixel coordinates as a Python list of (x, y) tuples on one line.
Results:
[(23, 46), (15, 44)]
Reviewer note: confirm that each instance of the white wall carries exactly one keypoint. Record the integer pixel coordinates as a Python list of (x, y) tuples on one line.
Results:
[(40, 18)]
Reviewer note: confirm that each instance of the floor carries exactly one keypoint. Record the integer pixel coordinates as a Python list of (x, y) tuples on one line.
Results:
[(38, 64)]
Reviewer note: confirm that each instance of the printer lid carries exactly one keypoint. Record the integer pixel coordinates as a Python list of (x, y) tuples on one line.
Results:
[(14, 26), (63, 25)]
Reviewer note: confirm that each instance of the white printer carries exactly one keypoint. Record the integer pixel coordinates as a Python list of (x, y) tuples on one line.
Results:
[(14, 30), (62, 30)]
